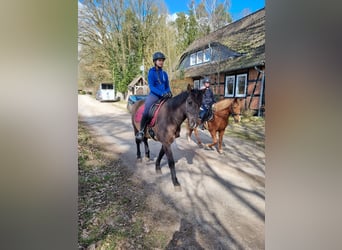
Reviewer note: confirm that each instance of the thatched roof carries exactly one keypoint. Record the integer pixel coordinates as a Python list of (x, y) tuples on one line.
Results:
[(246, 37)]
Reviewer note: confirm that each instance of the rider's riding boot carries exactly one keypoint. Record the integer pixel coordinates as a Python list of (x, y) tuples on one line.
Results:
[(140, 135)]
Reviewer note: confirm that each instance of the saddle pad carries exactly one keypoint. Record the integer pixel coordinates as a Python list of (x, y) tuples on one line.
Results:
[(155, 109), (138, 114)]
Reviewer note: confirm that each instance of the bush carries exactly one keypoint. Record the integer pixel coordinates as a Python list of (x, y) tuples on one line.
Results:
[(248, 113)]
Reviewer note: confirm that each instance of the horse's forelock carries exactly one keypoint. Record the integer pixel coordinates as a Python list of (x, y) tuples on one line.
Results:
[(198, 94)]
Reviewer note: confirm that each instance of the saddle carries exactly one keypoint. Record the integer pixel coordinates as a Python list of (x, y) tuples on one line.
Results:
[(153, 113), (210, 115)]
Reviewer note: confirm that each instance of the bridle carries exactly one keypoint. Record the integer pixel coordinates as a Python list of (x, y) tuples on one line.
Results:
[(232, 111)]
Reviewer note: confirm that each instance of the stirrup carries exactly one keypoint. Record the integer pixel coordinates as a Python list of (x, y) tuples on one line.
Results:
[(151, 132), (139, 136)]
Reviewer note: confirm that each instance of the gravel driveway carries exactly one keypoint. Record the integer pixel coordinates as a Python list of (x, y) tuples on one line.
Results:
[(222, 203)]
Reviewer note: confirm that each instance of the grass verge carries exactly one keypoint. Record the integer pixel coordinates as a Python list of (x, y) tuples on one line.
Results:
[(111, 203), (250, 128)]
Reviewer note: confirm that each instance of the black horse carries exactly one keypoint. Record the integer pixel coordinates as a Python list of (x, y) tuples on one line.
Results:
[(167, 125)]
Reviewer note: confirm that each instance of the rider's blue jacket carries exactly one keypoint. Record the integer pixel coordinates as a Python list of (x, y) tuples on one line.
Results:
[(158, 82)]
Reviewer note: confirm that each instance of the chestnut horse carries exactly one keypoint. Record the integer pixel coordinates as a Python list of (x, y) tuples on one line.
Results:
[(221, 111), (168, 124)]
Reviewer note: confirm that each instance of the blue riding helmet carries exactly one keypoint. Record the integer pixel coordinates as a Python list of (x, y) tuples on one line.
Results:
[(158, 55)]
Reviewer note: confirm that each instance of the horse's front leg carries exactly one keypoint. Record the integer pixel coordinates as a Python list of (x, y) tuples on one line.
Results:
[(188, 134), (137, 142), (221, 133), (189, 131), (147, 149), (160, 156), (197, 137), (213, 136), (171, 162)]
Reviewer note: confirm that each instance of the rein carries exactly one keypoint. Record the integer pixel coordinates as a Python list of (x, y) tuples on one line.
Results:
[(232, 112)]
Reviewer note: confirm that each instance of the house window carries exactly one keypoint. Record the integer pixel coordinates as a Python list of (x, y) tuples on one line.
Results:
[(241, 85), (196, 84), (199, 57), (193, 59), (207, 55), (201, 84), (229, 86)]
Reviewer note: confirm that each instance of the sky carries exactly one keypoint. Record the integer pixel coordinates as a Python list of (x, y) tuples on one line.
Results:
[(238, 8)]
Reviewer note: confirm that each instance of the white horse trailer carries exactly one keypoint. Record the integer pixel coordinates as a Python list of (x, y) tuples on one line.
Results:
[(106, 92)]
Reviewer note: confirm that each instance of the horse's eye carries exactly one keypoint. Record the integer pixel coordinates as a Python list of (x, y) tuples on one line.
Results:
[(190, 102)]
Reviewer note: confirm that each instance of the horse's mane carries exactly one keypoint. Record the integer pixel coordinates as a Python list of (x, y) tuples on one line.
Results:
[(223, 104), (177, 100)]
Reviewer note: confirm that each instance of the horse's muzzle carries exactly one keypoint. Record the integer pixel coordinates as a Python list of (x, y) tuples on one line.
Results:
[(237, 118)]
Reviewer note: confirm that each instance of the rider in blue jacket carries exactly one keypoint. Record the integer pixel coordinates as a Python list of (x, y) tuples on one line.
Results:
[(158, 82)]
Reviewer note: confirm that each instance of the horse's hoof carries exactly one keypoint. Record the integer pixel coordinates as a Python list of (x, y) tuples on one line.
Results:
[(220, 151), (139, 160), (200, 145), (158, 171), (178, 188)]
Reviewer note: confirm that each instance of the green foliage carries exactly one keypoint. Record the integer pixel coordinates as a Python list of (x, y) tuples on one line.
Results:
[(182, 35), (192, 28)]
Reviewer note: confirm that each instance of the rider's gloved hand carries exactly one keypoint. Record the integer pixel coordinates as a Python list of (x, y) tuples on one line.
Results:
[(167, 95)]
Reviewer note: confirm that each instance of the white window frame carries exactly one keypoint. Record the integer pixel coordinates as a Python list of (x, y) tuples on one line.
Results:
[(196, 84), (229, 79), (201, 84), (207, 55), (199, 57), (237, 92), (193, 59)]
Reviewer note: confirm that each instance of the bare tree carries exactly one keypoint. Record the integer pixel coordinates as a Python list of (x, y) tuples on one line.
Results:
[(211, 14), (121, 35)]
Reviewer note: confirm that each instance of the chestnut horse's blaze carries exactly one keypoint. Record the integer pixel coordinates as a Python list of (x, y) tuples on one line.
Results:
[(168, 124), (222, 110)]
